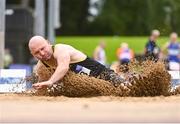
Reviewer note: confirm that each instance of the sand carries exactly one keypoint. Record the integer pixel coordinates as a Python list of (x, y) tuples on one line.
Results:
[(153, 80), (79, 98), (43, 109)]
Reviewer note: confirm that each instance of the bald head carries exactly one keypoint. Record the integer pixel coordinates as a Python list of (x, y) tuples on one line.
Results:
[(36, 40), (39, 47)]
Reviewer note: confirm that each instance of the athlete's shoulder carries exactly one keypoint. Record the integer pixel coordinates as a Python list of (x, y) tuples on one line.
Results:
[(62, 45)]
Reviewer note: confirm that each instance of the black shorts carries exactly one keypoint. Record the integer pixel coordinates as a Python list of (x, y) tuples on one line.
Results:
[(93, 68), (88, 66)]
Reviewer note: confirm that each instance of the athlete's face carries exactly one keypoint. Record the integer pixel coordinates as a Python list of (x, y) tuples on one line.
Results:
[(41, 50)]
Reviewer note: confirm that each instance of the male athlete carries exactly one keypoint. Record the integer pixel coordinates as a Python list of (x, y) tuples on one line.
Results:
[(62, 57)]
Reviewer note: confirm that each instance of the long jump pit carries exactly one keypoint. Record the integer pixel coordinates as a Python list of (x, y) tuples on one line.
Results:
[(103, 109), (83, 99)]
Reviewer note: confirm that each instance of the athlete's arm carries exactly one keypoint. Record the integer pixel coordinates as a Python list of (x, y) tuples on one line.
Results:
[(63, 59)]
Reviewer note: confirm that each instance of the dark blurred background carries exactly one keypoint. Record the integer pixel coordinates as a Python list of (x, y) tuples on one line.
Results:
[(114, 17)]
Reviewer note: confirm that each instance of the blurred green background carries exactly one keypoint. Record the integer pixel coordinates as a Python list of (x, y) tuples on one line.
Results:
[(84, 23), (87, 44), (113, 17)]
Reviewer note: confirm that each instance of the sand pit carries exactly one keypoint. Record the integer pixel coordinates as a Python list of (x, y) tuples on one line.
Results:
[(153, 80), (79, 98), (43, 109)]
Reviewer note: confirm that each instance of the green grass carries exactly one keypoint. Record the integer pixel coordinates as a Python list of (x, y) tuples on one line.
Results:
[(87, 44)]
